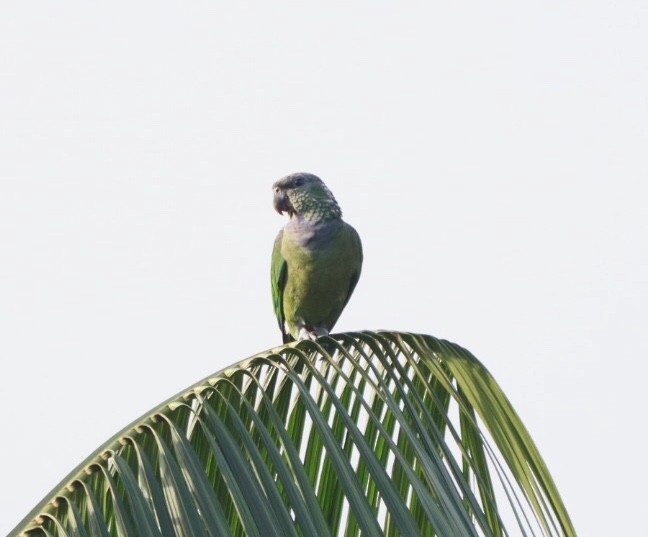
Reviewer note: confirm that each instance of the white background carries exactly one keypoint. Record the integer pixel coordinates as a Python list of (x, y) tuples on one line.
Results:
[(492, 156)]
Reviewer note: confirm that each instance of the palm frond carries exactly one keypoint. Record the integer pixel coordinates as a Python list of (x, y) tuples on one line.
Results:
[(358, 434)]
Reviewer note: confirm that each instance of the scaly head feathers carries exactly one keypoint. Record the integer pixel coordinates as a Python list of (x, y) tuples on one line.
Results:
[(305, 195)]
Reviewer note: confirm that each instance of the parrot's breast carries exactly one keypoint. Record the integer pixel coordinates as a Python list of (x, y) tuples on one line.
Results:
[(322, 262)]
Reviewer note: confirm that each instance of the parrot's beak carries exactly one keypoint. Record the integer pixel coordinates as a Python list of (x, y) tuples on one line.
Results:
[(281, 202)]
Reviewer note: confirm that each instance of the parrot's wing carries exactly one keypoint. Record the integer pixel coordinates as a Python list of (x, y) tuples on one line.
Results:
[(278, 275), (356, 257)]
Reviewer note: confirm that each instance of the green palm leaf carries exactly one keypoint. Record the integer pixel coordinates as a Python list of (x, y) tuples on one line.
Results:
[(359, 434)]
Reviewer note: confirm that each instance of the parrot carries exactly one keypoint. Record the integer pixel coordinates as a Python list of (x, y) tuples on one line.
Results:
[(316, 258)]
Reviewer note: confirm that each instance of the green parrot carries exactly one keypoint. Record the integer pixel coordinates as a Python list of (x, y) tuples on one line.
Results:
[(316, 259)]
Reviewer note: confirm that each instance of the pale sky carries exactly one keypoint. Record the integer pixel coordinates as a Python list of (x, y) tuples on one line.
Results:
[(492, 156)]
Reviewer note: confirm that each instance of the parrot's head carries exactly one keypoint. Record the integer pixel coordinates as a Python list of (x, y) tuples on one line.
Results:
[(305, 195)]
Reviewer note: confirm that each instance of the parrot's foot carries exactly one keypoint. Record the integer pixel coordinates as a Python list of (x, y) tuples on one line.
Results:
[(305, 334), (311, 332)]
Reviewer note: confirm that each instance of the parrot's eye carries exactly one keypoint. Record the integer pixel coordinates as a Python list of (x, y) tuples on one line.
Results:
[(298, 182)]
